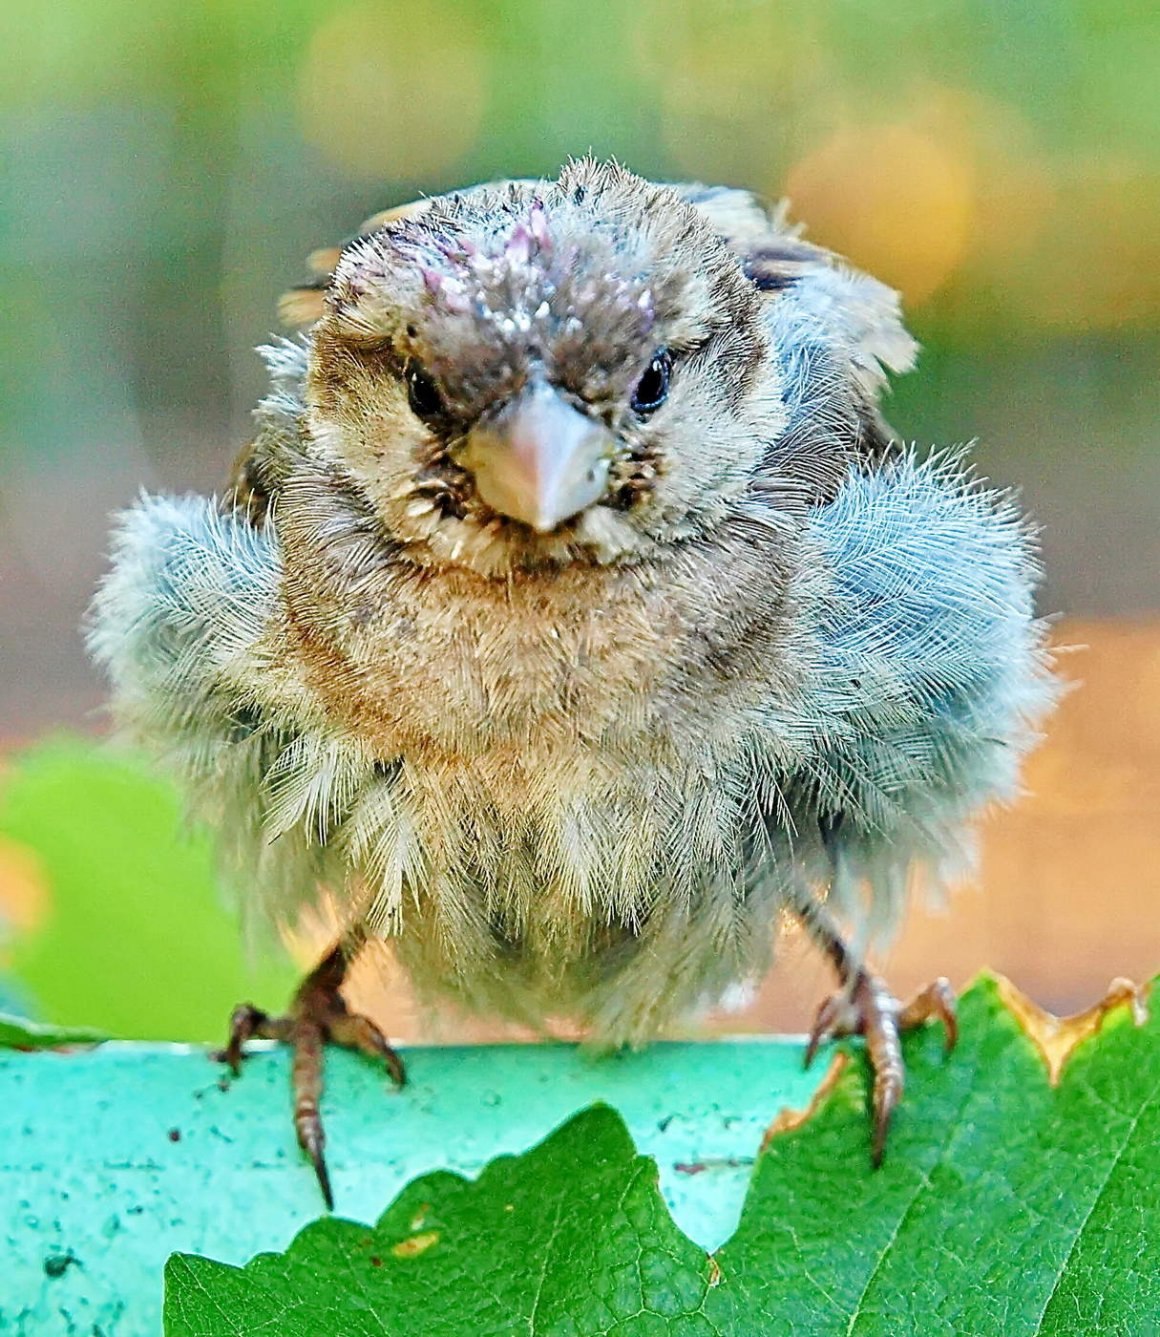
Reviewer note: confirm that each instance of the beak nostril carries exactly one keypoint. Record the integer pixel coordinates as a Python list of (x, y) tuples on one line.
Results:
[(540, 460)]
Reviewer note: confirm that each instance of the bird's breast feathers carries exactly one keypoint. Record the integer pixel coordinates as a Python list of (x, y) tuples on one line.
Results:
[(454, 668), (534, 766)]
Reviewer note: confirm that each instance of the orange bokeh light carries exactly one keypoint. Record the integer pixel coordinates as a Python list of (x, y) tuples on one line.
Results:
[(896, 200)]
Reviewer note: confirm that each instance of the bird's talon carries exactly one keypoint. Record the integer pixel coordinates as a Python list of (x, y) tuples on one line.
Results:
[(824, 1027), (866, 1007), (882, 1116), (934, 1003), (312, 1144), (246, 1021), (317, 1017)]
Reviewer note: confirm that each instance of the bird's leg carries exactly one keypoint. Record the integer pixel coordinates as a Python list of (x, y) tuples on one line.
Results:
[(863, 1005), (317, 1016)]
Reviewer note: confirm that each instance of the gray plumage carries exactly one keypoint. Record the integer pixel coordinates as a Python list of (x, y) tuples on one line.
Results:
[(584, 772)]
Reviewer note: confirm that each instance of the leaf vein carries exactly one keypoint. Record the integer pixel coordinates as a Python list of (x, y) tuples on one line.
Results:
[(1097, 1198)]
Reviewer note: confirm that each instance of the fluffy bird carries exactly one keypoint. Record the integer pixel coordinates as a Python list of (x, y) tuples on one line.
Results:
[(573, 619)]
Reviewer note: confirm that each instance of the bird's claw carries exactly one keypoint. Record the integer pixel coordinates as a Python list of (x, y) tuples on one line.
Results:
[(318, 1016), (247, 1022), (866, 1007)]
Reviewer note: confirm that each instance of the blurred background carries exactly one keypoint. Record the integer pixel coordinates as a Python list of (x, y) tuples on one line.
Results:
[(167, 167)]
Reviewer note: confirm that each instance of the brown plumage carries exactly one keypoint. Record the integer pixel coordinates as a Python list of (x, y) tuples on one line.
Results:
[(572, 616)]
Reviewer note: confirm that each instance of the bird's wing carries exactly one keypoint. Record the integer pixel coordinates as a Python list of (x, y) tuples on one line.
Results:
[(266, 459), (931, 676), (839, 331), (303, 305), (859, 310)]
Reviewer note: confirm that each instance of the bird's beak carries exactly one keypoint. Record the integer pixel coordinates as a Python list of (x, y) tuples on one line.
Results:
[(539, 460)]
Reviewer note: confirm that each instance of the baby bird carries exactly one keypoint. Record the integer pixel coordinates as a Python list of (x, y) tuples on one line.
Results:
[(572, 618)]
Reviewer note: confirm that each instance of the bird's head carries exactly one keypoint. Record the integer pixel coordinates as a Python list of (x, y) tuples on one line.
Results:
[(544, 372)]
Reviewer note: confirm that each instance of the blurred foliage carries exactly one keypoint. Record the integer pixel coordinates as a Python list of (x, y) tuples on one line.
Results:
[(948, 146), (20, 1033), (110, 912), (169, 163)]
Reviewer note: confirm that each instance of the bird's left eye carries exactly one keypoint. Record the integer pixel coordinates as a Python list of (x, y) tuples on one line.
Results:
[(653, 387), (422, 393)]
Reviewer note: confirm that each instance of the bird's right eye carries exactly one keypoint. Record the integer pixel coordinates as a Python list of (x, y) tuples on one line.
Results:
[(422, 393)]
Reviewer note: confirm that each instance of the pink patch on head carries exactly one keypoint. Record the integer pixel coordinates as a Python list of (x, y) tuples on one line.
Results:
[(445, 290), (456, 250), (528, 237), (538, 225), (518, 248), (647, 308)]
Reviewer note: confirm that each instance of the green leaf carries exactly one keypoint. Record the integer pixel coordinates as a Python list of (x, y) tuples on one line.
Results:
[(133, 936), (20, 1033), (1007, 1206), (572, 1233)]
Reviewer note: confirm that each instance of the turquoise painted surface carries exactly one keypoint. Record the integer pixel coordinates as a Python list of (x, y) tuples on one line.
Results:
[(112, 1158)]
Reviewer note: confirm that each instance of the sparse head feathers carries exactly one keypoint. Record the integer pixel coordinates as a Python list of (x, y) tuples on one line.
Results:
[(529, 262), (440, 316)]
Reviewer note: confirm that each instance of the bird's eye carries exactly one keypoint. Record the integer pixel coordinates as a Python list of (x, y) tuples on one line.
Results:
[(422, 393), (653, 387)]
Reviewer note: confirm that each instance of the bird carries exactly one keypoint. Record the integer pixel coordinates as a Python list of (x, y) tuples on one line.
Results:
[(574, 621)]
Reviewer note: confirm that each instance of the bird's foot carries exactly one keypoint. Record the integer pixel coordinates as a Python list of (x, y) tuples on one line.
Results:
[(866, 1007), (317, 1017)]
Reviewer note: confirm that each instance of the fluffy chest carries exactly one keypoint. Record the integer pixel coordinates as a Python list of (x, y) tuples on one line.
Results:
[(585, 669), (550, 765)]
